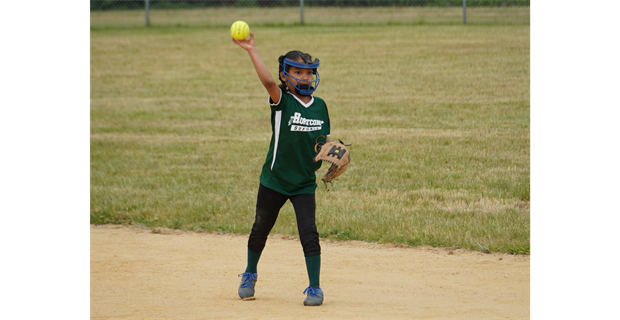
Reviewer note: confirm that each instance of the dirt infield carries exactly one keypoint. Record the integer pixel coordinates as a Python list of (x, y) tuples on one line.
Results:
[(140, 273)]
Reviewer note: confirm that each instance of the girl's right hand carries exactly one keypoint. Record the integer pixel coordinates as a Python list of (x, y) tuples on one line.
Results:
[(246, 44)]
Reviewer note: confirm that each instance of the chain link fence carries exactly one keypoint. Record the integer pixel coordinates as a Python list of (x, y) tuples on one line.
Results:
[(220, 13)]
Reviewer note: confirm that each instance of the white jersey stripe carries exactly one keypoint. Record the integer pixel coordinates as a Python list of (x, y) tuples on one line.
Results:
[(278, 120)]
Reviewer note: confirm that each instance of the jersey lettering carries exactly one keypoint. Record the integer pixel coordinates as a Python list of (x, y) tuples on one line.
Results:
[(303, 124)]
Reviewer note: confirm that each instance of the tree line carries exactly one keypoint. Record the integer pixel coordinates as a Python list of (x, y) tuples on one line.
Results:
[(98, 5)]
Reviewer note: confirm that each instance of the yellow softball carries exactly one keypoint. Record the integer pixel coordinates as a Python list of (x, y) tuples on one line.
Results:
[(240, 30)]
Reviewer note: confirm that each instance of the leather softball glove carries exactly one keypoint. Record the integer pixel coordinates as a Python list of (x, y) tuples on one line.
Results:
[(336, 153)]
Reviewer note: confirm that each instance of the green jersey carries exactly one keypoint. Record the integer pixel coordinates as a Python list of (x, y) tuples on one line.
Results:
[(295, 126)]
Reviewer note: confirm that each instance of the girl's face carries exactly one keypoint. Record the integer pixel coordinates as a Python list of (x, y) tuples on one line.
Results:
[(304, 76)]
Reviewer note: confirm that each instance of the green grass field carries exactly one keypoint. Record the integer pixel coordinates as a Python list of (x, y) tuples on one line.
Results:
[(438, 118)]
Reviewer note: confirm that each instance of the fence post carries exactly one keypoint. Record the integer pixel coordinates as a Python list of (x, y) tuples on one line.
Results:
[(146, 12), (301, 6), (464, 11)]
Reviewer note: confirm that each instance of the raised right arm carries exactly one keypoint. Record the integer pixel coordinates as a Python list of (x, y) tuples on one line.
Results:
[(261, 69)]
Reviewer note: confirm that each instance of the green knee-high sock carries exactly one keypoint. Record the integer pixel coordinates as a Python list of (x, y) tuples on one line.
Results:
[(313, 265), (253, 258)]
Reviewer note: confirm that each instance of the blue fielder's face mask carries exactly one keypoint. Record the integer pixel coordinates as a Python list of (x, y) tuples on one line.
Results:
[(308, 87)]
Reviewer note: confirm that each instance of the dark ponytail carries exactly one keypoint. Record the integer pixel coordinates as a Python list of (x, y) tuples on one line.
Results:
[(282, 85)]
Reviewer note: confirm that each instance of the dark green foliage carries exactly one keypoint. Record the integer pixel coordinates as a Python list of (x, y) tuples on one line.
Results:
[(98, 5)]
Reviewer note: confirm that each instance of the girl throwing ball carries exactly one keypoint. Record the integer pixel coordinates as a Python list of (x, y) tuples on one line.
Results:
[(298, 119)]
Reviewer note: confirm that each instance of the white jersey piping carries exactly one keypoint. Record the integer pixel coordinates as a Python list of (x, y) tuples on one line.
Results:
[(278, 120), (302, 103)]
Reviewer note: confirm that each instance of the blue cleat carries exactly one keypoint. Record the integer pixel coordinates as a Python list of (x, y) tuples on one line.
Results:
[(315, 296), (246, 288)]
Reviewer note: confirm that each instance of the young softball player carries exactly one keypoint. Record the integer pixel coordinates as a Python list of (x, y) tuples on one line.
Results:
[(297, 120)]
